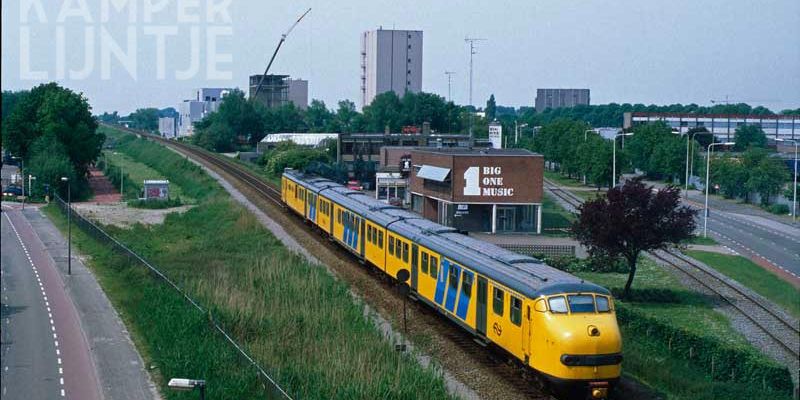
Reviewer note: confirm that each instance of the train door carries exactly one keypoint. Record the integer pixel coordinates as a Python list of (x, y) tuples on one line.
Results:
[(362, 227), (526, 334), (480, 319), (414, 265)]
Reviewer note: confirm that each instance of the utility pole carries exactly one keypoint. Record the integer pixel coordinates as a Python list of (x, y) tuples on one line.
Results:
[(471, 42), (449, 76)]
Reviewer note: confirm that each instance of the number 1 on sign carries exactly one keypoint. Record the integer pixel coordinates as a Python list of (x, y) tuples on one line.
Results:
[(472, 182)]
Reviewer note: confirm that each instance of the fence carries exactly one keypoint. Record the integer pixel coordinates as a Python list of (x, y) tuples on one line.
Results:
[(274, 390), (548, 250)]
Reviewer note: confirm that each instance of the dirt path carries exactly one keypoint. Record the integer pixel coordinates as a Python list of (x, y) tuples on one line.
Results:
[(104, 191)]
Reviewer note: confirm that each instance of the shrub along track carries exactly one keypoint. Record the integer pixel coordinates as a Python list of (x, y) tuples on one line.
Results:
[(489, 373), (775, 327)]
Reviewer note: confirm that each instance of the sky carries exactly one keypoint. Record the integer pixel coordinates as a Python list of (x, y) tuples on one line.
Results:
[(625, 51)]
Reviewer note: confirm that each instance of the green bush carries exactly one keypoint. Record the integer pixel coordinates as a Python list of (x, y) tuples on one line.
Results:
[(155, 204), (780, 209), (722, 361)]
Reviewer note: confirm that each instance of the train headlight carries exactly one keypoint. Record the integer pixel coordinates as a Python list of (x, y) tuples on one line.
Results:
[(599, 393)]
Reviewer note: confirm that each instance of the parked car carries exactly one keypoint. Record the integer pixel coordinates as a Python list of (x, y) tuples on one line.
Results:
[(12, 191)]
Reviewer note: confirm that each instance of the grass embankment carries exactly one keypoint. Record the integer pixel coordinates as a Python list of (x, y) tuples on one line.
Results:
[(135, 174), (555, 219), (296, 320), (754, 277), (656, 362), (700, 240)]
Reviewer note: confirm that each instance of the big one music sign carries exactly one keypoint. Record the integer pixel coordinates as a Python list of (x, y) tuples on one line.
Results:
[(486, 182)]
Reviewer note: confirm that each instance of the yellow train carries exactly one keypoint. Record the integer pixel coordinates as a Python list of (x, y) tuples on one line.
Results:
[(551, 321)]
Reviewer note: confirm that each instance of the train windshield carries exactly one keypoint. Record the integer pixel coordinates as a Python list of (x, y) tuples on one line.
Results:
[(602, 304), (581, 303), (558, 305)]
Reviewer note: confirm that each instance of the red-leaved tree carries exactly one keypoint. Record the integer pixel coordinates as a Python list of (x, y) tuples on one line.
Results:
[(633, 218)]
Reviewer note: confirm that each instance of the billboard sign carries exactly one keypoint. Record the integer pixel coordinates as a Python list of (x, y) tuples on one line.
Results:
[(496, 135)]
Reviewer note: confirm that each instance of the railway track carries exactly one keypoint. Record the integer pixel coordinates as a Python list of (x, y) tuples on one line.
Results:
[(527, 385), (779, 328)]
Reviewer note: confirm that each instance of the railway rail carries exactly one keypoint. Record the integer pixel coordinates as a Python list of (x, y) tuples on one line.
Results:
[(528, 385), (773, 323)]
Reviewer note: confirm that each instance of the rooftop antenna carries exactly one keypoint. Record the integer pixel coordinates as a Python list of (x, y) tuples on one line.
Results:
[(449, 76), (471, 42), (280, 43)]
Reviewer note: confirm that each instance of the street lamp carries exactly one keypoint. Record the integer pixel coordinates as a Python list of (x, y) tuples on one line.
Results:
[(686, 182), (586, 136), (187, 385), (69, 225), (708, 170), (517, 126), (794, 187), (30, 190), (614, 159)]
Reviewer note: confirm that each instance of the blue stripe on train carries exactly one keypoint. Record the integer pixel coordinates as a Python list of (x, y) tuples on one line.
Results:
[(463, 300), (450, 302), (441, 282)]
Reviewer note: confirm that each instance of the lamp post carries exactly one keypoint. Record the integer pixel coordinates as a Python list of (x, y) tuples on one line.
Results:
[(614, 159), (585, 137), (30, 188), (794, 187), (69, 225), (686, 182), (188, 384), (708, 175), (517, 126)]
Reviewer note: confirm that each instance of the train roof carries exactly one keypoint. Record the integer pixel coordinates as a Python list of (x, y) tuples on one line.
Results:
[(526, 275)]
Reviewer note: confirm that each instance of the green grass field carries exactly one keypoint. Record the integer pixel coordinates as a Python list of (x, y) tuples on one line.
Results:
[(562, 179), (139, 172), (706, 241), (651, 361), (554, 216), (754, 277), (297, 321)]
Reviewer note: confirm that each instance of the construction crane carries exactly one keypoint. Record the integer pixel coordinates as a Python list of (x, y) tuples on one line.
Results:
[(280, 43)]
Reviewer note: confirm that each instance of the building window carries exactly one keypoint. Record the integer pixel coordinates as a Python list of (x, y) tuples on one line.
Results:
[(497, 301), (516, 311)]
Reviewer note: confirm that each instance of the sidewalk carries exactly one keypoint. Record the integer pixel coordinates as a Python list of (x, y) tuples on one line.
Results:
[(120, 368)]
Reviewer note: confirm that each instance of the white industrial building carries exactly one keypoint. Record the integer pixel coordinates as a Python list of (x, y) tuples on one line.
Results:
[(167, 127), (391, 60), (723, 126), (205, 101)]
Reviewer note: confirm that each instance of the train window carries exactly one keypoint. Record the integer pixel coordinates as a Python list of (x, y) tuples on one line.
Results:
[(453, 278), (466, 287), (602, 304), (380, 239), (369, 233), (434, 272), (497, 303), (424, 262), (405, 252), (581, 303), (558, 305), (391, 245), (516, 311)]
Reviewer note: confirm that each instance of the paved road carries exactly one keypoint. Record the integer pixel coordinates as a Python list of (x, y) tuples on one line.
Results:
[(61, 338), (45, 354), (769, 243)]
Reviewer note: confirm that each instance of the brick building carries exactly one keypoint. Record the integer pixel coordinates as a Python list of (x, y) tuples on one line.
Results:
[(487, 190)]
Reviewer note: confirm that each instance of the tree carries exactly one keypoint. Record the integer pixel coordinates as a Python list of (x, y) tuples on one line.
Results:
[(317, 116), (747, 136), (491, 108), (767, 178), (65, 116), (633, 218), (109, 118), (49, 162), (731, 175), (145, 119), (384, 111)]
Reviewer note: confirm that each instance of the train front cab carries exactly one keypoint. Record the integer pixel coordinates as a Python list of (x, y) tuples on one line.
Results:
[(293, 195), (577, 344)]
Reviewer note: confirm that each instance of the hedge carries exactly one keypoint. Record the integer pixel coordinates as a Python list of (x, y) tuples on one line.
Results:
[(725, 363)]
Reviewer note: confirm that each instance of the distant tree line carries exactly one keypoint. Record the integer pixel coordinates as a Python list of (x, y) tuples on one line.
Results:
[(145, 119), (52, 129)]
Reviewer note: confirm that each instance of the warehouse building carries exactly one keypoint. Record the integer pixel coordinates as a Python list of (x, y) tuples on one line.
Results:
[(487, 190), (723, 126)]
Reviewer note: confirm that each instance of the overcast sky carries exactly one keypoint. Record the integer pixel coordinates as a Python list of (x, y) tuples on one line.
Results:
[(662, 52)]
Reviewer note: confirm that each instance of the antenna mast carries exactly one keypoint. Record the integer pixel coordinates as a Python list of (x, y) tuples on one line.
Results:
[(471, 42), (449, 76)]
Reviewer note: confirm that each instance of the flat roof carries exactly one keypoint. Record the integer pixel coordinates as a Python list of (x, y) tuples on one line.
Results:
[(461, 151)]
